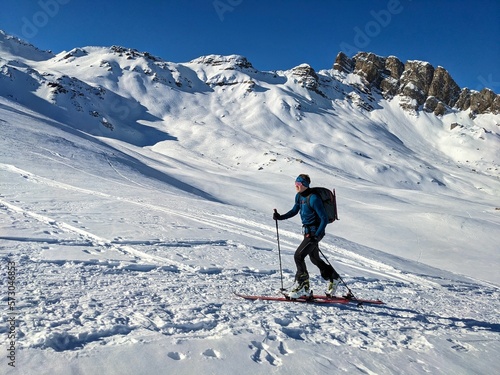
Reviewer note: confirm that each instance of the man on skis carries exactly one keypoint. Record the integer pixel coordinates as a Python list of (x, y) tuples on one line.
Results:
[(314, 221)]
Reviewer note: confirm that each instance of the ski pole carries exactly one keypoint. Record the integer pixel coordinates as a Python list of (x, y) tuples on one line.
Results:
[(351, 294), (279, 252)]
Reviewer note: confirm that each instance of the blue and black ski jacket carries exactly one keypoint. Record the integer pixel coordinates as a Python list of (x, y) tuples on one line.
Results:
[(313, 215)]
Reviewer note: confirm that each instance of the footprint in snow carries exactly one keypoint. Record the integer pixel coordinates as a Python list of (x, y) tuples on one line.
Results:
[(262, 354), (176, 356), (460, 346), (283, 349), (211, 353)]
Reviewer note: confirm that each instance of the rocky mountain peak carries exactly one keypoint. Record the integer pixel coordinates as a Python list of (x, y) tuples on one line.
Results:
[(229, 62), (418, 83), (306, 76)]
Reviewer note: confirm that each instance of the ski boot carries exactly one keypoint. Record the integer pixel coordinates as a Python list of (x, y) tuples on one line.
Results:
[(332, 288), (301, 291)]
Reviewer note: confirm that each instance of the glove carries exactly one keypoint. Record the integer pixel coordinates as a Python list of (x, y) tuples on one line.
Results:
[(313, 238), (276, 215)]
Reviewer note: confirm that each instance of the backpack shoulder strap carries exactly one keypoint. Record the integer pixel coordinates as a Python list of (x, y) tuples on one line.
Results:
[(309, 197)]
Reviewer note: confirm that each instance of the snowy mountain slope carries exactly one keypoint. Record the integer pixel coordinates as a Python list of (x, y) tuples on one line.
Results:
[(118, 271), (219, 116), (137, 196)]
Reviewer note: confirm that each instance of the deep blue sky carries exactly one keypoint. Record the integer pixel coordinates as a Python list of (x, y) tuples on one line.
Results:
[(462, 36)]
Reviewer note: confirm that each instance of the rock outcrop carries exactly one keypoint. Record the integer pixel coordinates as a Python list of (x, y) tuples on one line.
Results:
[(418, 83), (231, 61), (307, 77)]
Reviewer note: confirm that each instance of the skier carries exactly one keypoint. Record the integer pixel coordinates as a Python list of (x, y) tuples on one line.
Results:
[(314, 221)]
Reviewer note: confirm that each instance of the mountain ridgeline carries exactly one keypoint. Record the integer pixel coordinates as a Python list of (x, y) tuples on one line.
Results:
[(417, 84), (420, 85), (363, 107)]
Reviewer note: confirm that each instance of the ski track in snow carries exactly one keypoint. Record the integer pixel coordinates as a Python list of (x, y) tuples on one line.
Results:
[(162, 287), (247, 228)]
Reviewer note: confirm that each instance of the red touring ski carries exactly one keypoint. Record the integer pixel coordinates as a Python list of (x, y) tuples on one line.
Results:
[(318, 299), (304, 300), (352, 299)]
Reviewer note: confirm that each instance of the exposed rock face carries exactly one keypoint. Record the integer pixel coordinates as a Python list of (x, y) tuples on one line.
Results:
[(232, 61), (394, 66), (416, 81), (481, 101), (463, 101), (390, 84), (444, 87), (370, 66), (306, 76), (343, 63), (419, 84), (495, 106), (432, 104)]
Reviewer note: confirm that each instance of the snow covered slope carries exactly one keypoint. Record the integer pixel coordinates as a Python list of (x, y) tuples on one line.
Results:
[(137, 195)]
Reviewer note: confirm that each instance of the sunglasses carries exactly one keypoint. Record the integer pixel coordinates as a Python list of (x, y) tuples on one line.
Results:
[(298, 184)]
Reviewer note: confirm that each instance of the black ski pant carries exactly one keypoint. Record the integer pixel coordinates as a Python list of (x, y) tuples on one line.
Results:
[(310, 247)]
